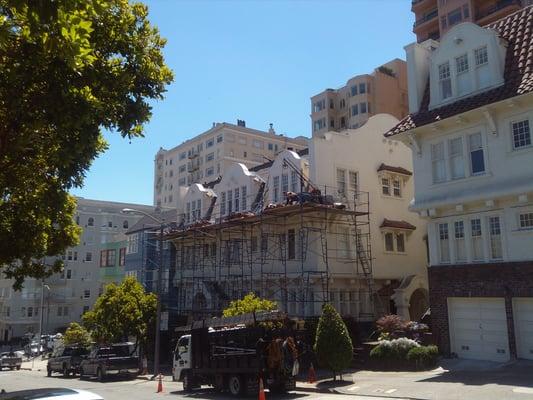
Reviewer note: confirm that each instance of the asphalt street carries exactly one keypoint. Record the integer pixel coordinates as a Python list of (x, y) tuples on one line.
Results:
[(139, 388)]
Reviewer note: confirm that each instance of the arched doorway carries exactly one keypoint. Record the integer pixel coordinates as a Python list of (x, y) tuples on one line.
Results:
[(418, 304)]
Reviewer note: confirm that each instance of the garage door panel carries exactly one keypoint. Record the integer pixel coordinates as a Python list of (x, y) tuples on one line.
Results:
[(478, 328), (523, 318)]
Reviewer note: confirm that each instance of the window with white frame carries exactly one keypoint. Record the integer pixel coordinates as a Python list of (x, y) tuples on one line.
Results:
[(276, 189), (495, 234), (444, 243), (438, 164), (284, 185), (457, 165), (237, 198), (344, 243), (230, 201), (459, 235), (397, 187), (400, 242), (477, 159), (445, 82), (526, 220), (385, 186), (481, 56), (294, 182), (244, 201), (476, 233), (223, 203), (354, 181), (341, 181), (521, 134), (389, 241), (463, 78)]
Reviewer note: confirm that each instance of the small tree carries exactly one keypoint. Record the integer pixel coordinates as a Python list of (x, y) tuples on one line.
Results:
[(333, 346), (122, 311), (248, 304), (77, 334)]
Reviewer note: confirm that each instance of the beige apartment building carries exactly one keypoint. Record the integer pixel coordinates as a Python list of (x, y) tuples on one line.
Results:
[(349, 107), (433, 18), (207, 155)]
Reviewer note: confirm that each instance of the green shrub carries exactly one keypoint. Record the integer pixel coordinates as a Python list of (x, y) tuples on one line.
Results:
[(423, 356), (396, 349)]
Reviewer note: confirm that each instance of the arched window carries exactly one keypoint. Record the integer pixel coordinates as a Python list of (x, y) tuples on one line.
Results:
[(90, 221), (125, 224)]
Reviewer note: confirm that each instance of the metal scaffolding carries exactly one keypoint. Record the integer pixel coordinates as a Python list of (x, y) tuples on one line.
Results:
[(286, 252)]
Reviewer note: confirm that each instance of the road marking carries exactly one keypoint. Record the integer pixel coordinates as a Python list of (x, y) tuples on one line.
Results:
[(390, 391), (353, 388), (523, 390)]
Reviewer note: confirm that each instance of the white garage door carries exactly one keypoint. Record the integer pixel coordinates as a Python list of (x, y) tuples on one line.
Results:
[(478, 328), (523, 320)]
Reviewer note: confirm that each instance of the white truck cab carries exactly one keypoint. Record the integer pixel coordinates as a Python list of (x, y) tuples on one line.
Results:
[(182, 358)]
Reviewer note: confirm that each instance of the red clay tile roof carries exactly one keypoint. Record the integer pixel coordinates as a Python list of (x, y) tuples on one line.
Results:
[(398, 170), (390, 223), (517, 29)]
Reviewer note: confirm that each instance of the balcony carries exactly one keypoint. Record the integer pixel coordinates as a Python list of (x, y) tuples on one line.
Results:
[(426, 18), (419, 5), (193, 154), (497, 10)]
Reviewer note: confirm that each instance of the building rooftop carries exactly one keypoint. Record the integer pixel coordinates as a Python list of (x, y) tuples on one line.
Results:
[(517, 30)]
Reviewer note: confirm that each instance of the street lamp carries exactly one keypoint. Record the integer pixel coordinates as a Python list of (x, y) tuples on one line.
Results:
[(159, 282)]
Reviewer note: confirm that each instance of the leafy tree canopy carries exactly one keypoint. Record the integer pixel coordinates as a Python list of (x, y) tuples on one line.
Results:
[(333, 345), (76, 334), (249, 303), (122, 311), (70, 68)]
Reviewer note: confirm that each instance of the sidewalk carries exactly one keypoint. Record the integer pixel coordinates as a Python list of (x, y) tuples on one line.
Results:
[(452, 380)]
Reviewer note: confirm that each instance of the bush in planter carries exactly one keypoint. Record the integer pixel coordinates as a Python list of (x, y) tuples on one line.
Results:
[(396, 349), (423, 356)]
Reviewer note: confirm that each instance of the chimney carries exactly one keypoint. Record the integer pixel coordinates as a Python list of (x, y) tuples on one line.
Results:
[(271, 129), (241, 122), (214, 124), (418, 62)]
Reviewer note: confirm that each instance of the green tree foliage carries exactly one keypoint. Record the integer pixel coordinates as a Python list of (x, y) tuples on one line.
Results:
[(122, 311), (333, 346), (70, 68), (77, 334), (249, 303)]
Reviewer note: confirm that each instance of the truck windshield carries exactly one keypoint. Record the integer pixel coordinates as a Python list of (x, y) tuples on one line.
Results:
[(183, 345)]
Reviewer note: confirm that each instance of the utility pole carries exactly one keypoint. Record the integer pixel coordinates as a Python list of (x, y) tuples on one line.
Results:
[(158, 311)]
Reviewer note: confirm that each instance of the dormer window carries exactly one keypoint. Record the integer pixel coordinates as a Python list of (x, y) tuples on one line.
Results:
[(445, 81), (481, 55)]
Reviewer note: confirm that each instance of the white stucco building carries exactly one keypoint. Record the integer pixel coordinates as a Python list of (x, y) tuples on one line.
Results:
[(471, 106)]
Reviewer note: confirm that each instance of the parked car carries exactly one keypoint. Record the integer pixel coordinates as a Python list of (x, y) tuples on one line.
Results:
[(10, 360), (67, 360), (50, 394), (117, 359)]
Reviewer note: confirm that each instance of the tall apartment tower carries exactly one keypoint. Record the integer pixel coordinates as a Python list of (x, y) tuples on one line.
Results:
[(349, 107), (433, 18), (207, 155)]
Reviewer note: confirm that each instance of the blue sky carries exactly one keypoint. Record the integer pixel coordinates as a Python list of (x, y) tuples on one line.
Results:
[(259, 61)]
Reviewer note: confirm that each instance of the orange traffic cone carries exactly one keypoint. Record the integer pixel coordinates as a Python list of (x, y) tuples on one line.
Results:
[(261, 390), (312, 376), (160, 384)]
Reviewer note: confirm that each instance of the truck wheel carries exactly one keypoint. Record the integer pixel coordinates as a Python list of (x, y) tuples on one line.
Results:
[(187, 382), (48, 372), (100, 375), (82, 373), (65, 371), (18, 367), (236, 385)]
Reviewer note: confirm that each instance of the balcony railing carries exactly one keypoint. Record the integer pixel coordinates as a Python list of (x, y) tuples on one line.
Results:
[(428, 17), (497, 7)]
